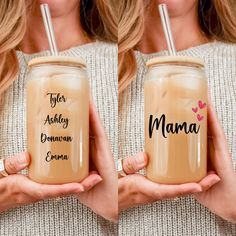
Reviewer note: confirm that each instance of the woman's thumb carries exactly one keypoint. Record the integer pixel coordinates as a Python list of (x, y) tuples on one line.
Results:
[(17, 163), (135, 163)]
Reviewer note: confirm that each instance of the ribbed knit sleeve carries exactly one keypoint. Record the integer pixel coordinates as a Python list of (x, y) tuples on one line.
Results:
[(66, 217), (183, 217)]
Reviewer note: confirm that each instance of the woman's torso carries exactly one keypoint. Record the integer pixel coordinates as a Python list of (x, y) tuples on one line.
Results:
[(184, 216), (66, 216)]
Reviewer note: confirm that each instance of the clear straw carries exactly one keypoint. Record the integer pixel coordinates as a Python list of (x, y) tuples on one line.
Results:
[(165, 20), (49, 29)]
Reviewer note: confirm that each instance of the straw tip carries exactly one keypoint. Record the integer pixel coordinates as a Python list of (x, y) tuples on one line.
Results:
[(162, 5), (43, 5)]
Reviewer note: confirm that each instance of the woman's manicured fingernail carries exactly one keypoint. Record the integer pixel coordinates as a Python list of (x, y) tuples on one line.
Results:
[(140, 158), (22, 160), (97, 180), (198, 190), (82, 189), (215, 180)]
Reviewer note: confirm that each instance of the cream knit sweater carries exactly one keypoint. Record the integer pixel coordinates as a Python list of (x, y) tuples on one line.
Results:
[(66, 217), (184, 217)]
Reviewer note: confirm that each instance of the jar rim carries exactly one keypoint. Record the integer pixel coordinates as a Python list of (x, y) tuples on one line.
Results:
[(73, 61), (174, 60)]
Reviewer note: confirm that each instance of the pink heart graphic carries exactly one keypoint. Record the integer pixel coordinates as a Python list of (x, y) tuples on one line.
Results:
[(201, 104), (199, 117), (195, 109)]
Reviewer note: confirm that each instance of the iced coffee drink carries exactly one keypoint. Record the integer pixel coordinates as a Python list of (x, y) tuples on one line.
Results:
[(58, 120), (176, 120)]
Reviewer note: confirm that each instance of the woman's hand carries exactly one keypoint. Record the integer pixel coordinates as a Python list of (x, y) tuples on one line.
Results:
[(136, 189), (102, 199), (220, 199), (17, 189)]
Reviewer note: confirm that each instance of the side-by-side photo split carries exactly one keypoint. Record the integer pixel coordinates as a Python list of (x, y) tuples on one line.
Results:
[(117, 118)]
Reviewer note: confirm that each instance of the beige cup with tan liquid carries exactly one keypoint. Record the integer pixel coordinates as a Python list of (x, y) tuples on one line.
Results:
[(58, 120), (176, 120)]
